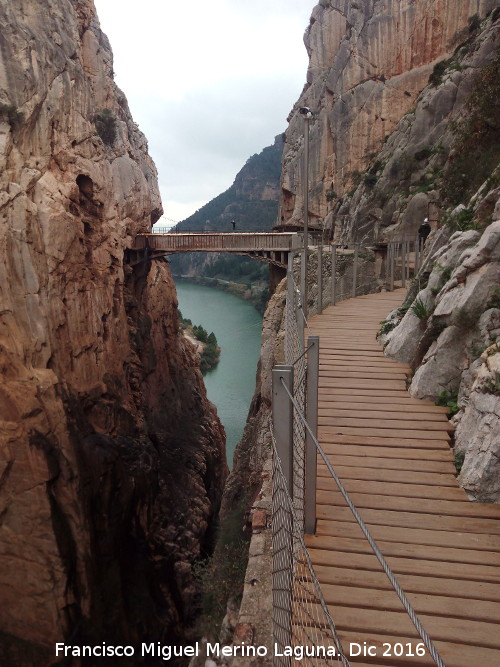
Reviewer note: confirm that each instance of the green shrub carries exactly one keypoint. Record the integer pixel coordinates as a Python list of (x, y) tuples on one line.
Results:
[(221, 576), (10, 113), (105, 124), (449, 400), (436, 329), (494, 300), (476, 147), (424, 154), (370, 180), (459, 461), (437, 73), (491, 386), (386, 326), (419, 309), (474, 23), (331, 195)]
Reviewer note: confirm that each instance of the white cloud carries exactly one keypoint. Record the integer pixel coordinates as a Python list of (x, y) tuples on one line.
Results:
[(210, 83)]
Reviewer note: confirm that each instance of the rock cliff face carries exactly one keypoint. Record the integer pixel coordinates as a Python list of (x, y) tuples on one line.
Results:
[(111, 457), (405, 125), (369, 61)]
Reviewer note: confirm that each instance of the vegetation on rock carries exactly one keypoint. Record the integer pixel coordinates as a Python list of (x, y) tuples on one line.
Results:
[(105, 124), (210, 354)]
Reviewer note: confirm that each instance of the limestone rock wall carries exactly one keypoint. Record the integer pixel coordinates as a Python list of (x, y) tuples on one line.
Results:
[(368, 62), (111, 458), (454, 349)]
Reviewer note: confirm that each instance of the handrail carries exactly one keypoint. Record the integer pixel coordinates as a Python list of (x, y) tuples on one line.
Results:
[(375, 548)]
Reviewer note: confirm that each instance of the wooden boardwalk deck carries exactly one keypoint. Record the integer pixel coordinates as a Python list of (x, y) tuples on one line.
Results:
[(392, 454)]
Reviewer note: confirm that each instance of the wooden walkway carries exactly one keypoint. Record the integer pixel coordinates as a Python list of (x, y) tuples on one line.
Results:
[(392, 454)]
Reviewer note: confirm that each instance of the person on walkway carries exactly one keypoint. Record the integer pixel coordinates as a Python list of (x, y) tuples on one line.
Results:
[(423, 231)]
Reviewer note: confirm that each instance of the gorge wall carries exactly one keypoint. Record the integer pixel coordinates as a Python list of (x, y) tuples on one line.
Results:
[(111, 458), (405, 101), (368, 63)]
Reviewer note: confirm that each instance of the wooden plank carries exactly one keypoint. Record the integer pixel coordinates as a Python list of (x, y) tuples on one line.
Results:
[(365, 451), (415, 434), (369, 374), (429, 585), (400, 565), (399, 395), (468, 632), (327, 434), (426, 536), (414, 520), (393, 464), (433, 605), (392, 453), (408, 504), (380, 475), (453, 654), (359, 383), (406, 550), (380, 422), (395, 489), (326, 410), (304, 635), (361, 404)]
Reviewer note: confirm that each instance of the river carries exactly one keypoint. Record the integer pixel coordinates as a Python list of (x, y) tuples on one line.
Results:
[(237, 327)]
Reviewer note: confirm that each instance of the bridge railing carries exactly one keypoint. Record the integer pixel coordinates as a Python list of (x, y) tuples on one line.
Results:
[(220, 242)]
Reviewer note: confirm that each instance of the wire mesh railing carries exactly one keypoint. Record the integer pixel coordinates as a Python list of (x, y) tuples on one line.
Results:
[(342, 271), (295, 356), (301, 618), (303, 628), (429, 644)]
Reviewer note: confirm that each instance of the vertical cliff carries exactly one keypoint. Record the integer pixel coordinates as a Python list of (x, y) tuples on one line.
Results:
[(405, 101), (368, 62), (111, 458)]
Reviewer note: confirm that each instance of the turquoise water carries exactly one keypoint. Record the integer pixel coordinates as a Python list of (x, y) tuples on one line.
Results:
[(237, 327)]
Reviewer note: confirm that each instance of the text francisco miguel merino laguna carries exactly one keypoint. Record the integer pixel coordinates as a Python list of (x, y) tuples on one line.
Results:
[(165, 652)]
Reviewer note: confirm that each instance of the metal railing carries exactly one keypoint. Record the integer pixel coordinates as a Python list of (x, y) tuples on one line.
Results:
[(219, 241), (343, 271), (300, 615), (281, 387)]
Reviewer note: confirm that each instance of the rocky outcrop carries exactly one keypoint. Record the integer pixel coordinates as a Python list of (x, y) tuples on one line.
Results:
[(451, 336), (368, 63), (111, 457)]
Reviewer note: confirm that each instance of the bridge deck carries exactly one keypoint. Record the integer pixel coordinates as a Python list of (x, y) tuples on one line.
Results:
[(220, 242), (392, 453)]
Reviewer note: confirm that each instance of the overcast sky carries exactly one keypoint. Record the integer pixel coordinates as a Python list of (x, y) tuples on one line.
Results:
[(210, 83)]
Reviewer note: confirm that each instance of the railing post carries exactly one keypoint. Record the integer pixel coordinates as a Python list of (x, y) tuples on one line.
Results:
[(320, 278), (334, 275), (283, 420), (403, 263), (355, 270), (312, 420), (392, 263)]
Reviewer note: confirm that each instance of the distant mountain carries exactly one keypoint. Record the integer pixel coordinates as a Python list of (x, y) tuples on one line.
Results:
[(251, 201)]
